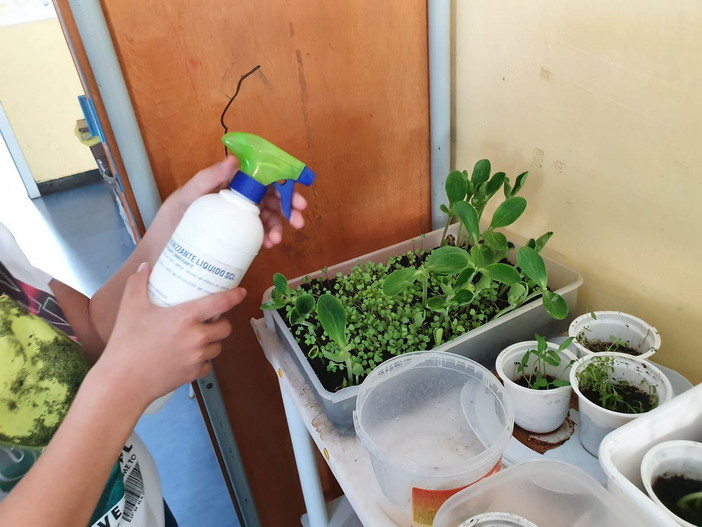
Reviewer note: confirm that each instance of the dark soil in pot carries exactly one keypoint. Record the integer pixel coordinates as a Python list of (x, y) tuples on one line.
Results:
[(632, 399), (670, 488), (605, 345)]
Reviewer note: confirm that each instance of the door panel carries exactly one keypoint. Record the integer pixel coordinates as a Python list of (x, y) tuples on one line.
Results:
[(343, 86)]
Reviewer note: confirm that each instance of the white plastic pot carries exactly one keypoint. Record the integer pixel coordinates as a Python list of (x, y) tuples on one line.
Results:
[(680, 457), (596, 422), (537, 411), (636, 333)]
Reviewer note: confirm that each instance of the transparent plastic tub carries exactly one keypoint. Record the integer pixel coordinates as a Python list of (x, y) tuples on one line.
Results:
[(622, 451), (545, 492), (482, 344), (432, 423)]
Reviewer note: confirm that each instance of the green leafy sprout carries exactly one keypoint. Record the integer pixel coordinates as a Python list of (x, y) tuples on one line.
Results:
[(690, 501), (543, 355), (597, 377)]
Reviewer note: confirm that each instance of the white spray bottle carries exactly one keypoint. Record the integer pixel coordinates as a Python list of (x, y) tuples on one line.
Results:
[(220, 234)]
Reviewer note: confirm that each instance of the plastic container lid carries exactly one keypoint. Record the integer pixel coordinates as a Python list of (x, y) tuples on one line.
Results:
[(545, 492)]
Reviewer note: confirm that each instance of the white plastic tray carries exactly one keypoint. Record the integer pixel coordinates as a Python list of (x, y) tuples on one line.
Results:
[(622, 450)]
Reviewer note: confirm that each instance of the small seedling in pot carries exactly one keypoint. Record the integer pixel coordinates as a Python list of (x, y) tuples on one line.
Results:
[(680, 495), (692, 501), (539, 379), (596, 384)]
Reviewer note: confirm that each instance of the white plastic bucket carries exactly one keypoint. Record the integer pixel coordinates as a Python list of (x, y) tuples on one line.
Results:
[(432, 423)]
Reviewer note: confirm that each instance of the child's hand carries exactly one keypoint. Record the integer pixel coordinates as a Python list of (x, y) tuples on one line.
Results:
[(153, 350)]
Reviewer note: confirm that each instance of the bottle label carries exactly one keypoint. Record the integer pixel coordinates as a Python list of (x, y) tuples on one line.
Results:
[(183, 273)]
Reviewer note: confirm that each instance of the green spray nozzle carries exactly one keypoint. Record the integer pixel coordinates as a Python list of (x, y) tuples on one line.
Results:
[(261, 163)]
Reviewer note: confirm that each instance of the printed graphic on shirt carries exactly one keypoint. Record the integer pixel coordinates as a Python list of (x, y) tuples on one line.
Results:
[(35, 301), (41, 368)]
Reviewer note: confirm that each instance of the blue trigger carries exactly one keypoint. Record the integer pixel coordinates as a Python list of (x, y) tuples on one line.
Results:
[(286, 193)]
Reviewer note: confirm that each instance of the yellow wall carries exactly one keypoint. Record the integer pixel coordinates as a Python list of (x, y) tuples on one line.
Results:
[(39, 87), (602, 102)]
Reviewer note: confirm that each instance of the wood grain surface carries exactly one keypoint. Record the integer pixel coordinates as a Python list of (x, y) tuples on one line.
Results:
[(343, 86)]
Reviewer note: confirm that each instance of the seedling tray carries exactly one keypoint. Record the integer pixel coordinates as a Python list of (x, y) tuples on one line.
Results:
[(482, 344)]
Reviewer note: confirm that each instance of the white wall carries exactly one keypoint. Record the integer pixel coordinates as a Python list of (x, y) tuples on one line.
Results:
[(602, 102)]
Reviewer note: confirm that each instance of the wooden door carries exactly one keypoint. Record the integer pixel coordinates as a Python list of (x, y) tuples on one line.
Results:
[(342, 86)]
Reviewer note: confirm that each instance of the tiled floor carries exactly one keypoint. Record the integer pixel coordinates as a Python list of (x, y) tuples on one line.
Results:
[(79, 237)]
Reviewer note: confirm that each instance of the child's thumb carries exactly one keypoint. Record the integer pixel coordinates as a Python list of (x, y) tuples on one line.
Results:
[(141, 277)]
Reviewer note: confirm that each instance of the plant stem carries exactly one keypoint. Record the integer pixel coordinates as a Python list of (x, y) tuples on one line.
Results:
[(446, 227)]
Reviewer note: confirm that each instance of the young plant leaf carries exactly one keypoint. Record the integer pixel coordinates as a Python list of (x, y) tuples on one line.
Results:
[(541, 241), (456, 187), (438, 336), (294, 316), (272, 304), (519, 183), (463, 278), (469, 218), (304, 304), (555, 305), (532, 265), (463, 297), (494, 184), (517, 293), (481, 172), (503, 273), (567, 342), (552, 357), (496, 241), (332, 316), (507, 188), (508, 212), (436, 303), (280, 283), (484, 283), (399, 280), (482, 255), (448, 260)]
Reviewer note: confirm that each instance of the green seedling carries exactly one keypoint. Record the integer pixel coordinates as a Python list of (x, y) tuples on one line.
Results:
[(597, 377), (542, 355), (692, 501), (332, 317)]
